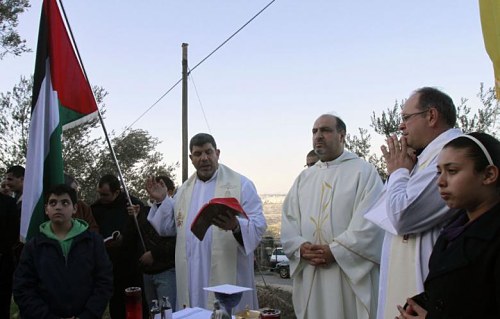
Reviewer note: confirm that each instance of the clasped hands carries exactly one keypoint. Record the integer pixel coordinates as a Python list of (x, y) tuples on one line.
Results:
[(413, 311), (398, 154), (316, 255)]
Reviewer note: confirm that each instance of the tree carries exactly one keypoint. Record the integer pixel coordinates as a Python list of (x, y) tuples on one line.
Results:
[(136, 153), (15, 110), (361, 146), (85, 155), (388, 123), (10, 40), (486, 118)]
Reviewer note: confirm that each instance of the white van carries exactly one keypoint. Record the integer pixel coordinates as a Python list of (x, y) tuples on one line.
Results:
[(277, 256)]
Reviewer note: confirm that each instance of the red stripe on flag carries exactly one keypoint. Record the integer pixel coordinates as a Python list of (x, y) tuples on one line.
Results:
[(68, 80)]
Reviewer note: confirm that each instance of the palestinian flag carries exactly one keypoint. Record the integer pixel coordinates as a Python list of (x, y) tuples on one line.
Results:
[(62, 97)]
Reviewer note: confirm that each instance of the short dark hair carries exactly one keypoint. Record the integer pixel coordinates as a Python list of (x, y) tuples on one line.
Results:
[(168, 182), (430, 97), (16, 170), (201, 139), (311, 154), (111, 180), (474, 151), (61, 189), (341, 127)]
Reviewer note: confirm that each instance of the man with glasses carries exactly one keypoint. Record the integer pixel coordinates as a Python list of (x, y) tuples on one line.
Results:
[(410, 209)]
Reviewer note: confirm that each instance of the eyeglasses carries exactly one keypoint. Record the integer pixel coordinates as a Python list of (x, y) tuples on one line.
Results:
[(406, 117)]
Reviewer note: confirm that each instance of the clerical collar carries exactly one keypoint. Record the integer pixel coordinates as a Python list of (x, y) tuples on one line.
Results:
[(340, 158), (211, 178)]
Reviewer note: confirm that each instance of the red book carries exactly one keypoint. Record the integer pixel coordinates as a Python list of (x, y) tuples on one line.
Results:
[(216, 206)]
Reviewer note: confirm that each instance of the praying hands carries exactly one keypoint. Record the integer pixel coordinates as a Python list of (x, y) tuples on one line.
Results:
[(397, 154)]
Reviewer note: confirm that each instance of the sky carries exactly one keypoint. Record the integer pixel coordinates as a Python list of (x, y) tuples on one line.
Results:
[(260, 94)]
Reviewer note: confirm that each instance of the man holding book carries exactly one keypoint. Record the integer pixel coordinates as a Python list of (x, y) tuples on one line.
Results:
[(225, 255)]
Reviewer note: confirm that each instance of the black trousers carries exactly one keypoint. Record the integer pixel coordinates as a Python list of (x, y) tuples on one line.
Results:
[(6, 278)]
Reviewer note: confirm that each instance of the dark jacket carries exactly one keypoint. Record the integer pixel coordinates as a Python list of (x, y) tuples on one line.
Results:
[(112, 216), (162, 248), (9, 227), (84, 212), (48, 285), (124, 253), (464, 277)]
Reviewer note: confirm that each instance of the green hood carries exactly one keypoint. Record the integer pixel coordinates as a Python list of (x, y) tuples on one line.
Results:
[(79, 226)]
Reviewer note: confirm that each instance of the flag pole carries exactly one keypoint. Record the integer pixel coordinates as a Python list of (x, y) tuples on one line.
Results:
[(101, 120)]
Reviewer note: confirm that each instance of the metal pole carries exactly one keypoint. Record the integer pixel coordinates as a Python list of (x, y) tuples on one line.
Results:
[(102, 124), (120, 175), (184, 112)]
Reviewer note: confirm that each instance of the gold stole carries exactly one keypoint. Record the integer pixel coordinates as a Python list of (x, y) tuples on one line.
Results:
[(224, 245)]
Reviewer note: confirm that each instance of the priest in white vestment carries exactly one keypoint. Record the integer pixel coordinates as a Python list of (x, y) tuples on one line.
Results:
[(225, 255), (334, 252), (410, 209)]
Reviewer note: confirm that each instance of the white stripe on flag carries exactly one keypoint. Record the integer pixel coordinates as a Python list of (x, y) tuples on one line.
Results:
[(44, 121)]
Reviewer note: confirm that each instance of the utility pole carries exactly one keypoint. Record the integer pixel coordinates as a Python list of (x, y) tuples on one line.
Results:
[(184, 112)]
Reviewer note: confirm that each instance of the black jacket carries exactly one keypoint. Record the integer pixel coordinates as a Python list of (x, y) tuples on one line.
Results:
[(47, 285), (162, 248), (464, 278), (125, 253), (9, 227)]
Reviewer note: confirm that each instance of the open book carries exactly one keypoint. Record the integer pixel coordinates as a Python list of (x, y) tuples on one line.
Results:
[(212, 209), (113, 239)]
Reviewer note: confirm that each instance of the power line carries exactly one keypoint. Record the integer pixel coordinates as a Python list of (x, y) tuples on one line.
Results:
[(197, 65), (235, 33), (201, 104)]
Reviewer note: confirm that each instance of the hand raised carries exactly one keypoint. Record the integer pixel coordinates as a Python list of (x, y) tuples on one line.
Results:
[(157, 190)]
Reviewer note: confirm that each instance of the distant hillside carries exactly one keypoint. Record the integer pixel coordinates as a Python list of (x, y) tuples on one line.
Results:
[(272, 204)]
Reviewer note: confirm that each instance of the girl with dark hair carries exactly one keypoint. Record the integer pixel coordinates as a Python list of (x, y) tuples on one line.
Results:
[(464, 268)]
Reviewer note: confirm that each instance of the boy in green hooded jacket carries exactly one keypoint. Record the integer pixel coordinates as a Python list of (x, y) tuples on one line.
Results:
[(64, 271)]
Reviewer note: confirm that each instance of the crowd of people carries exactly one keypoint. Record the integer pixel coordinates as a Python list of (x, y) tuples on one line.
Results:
[(423, 244)]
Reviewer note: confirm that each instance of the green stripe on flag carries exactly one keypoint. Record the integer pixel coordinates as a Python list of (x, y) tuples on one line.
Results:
[(52, 174), (67, 115)]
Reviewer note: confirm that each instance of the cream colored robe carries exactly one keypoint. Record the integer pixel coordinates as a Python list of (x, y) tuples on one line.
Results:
[(219, 259), (325, 206)]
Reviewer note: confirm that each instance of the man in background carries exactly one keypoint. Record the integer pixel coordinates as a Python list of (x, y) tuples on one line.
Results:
[(110, 213), (9, 237), (158, 262), (11, 246), (311, 158), (83, 210), (14, 178)]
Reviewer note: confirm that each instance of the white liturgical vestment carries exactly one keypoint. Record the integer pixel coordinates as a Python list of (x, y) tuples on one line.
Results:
[(219, 258), (325, 206), (412, 213)]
